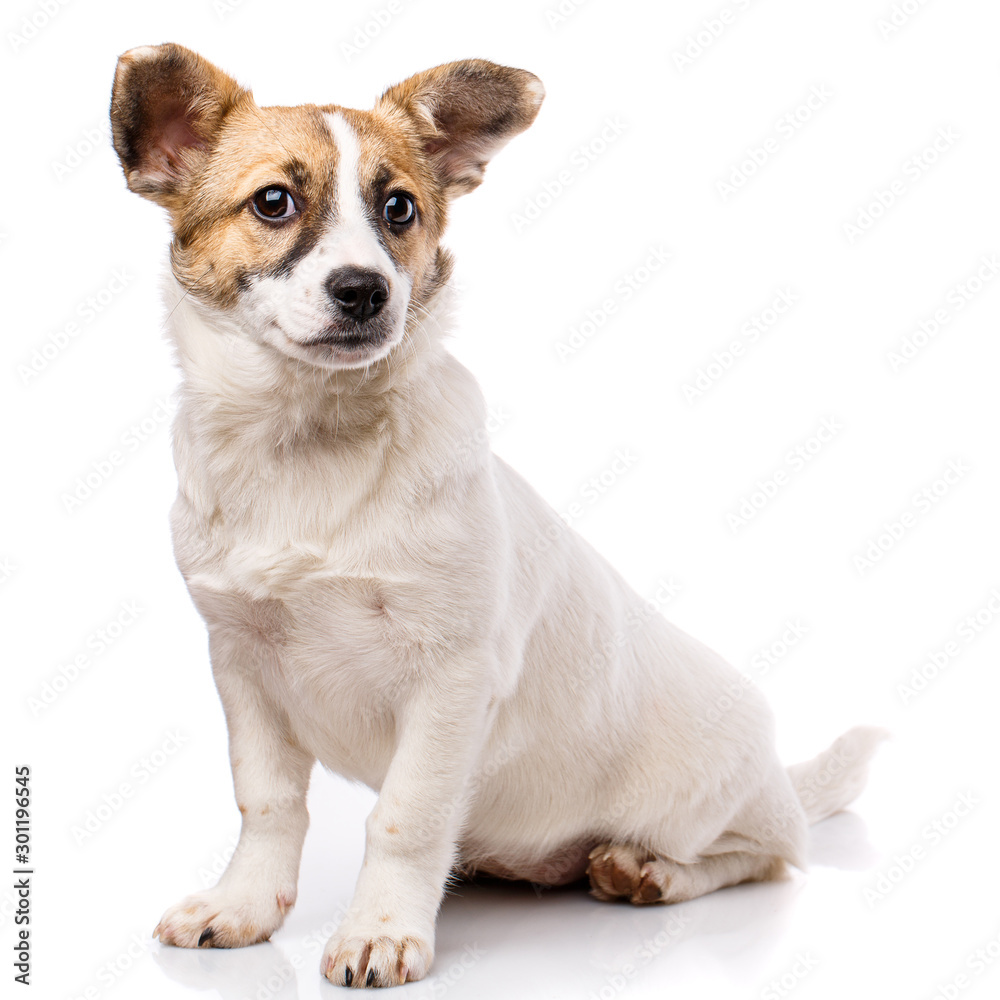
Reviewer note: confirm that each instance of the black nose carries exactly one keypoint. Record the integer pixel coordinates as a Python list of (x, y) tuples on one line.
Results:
[(358, 293)]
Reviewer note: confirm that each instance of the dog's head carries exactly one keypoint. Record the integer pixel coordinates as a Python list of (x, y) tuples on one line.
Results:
[(316, 228)]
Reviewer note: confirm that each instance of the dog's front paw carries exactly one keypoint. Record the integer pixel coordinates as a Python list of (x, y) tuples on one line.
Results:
[(367, 956), (223, 918)]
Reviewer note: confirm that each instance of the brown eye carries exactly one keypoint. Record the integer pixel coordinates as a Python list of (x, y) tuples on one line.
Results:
[(273, 204), (399, 209)]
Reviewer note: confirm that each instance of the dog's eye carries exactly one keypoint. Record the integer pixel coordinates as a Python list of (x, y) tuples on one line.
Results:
[(274, 203), (399, 209)]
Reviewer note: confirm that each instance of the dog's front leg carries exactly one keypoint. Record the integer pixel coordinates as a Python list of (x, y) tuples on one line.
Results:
[(387, 937), (271, 778)]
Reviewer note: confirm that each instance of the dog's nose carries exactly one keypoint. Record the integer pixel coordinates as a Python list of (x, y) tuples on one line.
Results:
[(357, 292)]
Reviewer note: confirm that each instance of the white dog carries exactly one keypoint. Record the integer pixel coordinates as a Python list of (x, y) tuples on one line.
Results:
[(382, 593)]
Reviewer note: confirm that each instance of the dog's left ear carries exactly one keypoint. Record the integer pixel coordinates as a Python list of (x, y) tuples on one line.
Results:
[(465, 112)]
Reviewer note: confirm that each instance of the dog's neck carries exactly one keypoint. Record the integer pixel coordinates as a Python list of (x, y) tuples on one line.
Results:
[(232, 383), (254, 427)]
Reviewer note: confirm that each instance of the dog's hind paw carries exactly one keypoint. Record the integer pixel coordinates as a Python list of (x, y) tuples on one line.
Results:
[(623, 871)]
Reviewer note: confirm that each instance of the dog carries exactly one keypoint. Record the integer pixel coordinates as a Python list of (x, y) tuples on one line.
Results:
[(381, 592)]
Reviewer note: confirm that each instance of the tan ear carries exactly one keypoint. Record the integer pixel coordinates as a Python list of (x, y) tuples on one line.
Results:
[(166, 107), (465, 112)]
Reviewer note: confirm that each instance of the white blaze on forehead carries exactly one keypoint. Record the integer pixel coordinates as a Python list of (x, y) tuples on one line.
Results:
[(353, 231), (349, 205)]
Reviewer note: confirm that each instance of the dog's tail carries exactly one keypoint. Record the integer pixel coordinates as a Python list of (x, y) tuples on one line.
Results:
[(832, 780)]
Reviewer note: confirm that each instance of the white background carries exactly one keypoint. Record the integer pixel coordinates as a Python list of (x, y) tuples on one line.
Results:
[(140, 726)]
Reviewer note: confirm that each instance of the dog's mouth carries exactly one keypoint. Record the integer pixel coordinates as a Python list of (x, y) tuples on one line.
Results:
[(343, 339), (339, 345), (348, 342)]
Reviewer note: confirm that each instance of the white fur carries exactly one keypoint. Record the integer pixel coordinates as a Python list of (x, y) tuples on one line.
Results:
[(385, 595)]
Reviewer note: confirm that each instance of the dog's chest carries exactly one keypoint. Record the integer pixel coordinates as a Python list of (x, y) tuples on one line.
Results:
[(335, 649), (336, 572)]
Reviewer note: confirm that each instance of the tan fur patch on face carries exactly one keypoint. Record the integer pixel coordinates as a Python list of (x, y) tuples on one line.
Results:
[(220, 242)]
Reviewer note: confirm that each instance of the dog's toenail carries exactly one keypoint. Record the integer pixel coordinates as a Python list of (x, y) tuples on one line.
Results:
[(206, 935), (348, 976), (370, 981)]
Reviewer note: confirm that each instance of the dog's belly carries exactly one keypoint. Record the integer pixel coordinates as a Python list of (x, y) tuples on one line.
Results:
[(561, 867)]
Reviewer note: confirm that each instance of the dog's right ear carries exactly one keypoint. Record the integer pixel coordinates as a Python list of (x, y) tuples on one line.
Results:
[(166, 108)]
